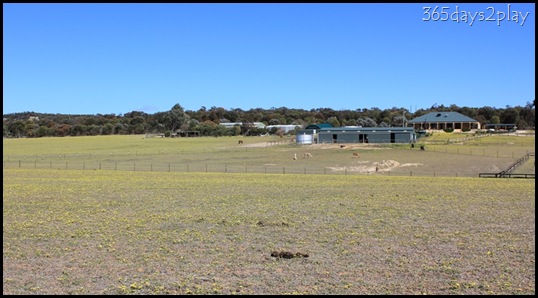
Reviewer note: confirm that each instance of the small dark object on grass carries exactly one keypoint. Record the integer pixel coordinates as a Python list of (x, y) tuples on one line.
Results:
[(288, 255), (422, 147)]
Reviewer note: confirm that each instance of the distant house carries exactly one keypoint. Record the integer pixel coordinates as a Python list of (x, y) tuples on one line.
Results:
[(444, 120)]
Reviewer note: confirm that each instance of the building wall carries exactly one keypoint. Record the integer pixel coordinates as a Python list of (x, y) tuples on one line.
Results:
[(366, 137)]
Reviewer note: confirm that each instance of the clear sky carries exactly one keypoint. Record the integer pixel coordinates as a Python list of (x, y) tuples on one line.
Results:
[(118, 58)]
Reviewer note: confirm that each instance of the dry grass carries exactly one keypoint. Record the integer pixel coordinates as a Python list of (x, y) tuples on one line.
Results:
[(135, 153), (121, 232), (144, 230)]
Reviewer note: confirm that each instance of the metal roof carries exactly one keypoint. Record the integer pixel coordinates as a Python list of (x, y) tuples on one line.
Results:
[(367, 129), (318, 126), (440, 117)]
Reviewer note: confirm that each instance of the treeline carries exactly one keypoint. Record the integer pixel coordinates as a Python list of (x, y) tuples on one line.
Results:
[(205, 122)]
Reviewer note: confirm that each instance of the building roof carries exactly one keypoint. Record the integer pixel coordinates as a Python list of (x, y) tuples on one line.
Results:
[(441, 117), (232, 124), (318, 126), (366, 129)]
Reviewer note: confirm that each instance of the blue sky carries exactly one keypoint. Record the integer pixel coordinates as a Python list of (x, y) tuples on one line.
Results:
[(118, 58)]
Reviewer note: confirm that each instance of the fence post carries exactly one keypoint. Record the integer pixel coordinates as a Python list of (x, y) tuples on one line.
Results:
[(19, 163), (410, 173), (168, 167)]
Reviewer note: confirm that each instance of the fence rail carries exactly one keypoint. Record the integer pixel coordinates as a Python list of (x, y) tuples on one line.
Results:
[(506, 173), (499, 175)]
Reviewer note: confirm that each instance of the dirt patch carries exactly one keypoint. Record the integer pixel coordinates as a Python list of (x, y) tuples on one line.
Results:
[(367, 166)]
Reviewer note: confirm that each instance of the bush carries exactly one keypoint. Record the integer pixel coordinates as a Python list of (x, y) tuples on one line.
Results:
[(448, 130)]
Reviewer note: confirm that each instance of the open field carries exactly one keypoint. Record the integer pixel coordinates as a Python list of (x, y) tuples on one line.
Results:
[(148, 230), (118, 232), (265, 155)]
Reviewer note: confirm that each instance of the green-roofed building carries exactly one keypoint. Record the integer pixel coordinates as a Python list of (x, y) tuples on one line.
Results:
[(444, 120), (319, 126)]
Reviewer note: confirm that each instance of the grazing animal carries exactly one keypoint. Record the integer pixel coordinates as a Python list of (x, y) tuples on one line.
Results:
[(308, 155), (342, 146), (240, 142), (355, 154)]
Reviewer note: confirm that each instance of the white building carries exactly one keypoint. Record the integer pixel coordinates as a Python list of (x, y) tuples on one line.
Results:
[(232, 124), (285, 127)]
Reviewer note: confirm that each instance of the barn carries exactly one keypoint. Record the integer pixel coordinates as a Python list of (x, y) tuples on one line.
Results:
[(356, 134)]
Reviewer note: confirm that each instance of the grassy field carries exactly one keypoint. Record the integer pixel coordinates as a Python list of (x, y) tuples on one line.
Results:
[(142, 231), (265, 155)]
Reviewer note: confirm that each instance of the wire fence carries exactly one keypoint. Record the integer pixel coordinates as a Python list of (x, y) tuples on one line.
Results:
[(223, 168)]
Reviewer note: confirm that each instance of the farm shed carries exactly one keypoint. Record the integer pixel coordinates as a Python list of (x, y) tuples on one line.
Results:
[(356, 134), (285, 127), (313, 129), (501, 127), (232, 124), (444, 120)]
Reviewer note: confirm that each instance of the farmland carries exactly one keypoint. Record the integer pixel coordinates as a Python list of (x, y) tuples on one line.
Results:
[(164, 229)]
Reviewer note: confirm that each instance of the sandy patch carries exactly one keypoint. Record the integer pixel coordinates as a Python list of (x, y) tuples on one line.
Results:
[(372, 166)]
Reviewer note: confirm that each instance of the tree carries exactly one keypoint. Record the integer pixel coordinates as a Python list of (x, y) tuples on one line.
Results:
[(175, 118), (366, 122), (509, 116), (333, 121)]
